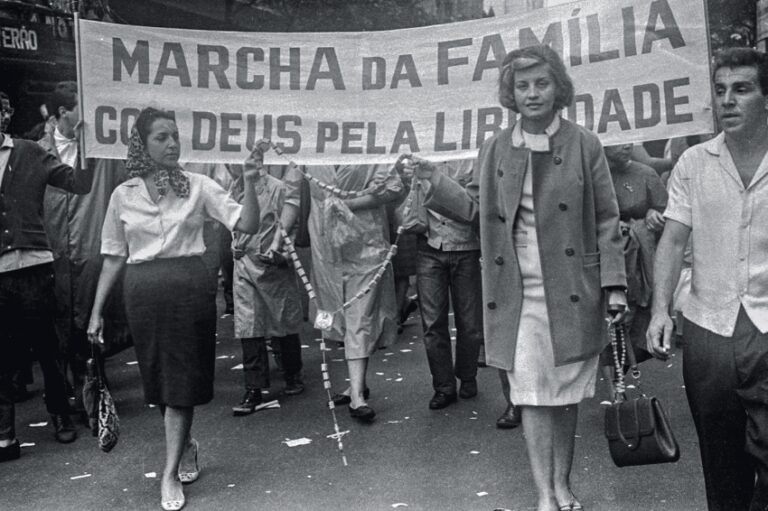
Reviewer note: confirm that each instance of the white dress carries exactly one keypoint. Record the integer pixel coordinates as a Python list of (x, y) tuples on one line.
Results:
[(534, 379)]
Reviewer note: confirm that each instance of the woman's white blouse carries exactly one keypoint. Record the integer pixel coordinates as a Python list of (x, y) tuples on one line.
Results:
[(140, 229)]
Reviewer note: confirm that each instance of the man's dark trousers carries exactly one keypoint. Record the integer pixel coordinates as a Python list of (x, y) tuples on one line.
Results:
[(726, 381)]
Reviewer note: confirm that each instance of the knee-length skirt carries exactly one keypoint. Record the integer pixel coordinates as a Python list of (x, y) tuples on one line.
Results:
[(171, 310)]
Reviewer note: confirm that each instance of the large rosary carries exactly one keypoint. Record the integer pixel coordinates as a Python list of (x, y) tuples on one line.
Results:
[(324, 319)]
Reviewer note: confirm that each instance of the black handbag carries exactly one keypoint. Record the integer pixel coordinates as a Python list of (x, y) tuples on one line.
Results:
[(637, 429)]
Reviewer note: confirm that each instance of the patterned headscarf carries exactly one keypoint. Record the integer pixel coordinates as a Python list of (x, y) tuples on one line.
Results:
[(140, 164)]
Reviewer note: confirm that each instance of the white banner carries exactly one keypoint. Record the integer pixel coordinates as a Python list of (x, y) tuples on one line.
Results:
[(640, 67)]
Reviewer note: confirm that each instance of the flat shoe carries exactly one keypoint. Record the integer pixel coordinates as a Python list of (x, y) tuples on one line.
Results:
[(173, 504), (190, 476), (343, 399), (510, 419), (362, 413)]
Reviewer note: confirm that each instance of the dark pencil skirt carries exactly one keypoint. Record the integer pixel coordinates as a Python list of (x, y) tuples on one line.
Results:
[(171, 311)]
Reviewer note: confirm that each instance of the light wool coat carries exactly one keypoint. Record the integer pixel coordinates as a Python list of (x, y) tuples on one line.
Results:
[(577, 224)]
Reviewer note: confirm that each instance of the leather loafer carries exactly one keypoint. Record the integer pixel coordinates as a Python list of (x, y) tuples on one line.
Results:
[(362, 413), (510, 419), (343, 399), (441, 400), (468, 389), (64, 429), (11, 452)]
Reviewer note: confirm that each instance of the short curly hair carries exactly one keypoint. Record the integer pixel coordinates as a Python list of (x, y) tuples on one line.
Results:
[(747, 57), (541, 54)]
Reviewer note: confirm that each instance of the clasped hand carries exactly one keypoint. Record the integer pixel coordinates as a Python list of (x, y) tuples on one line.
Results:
[(410, 166), (253, 168)]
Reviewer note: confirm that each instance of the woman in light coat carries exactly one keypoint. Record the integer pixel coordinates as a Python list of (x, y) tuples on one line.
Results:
[(552, 254)]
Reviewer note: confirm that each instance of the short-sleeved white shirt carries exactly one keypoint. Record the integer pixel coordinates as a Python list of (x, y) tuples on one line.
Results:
[(729, 233), (138, 228)]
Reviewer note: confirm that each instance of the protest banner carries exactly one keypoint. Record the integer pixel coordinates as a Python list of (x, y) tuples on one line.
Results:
[(640, 67)]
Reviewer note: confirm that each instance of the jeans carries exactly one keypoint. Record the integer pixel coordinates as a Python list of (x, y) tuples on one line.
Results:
[(726, 381), (26, 315), (455, 274)]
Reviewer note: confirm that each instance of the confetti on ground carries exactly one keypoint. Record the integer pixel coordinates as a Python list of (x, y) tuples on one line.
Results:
[(482, 493), (337, 360), (406, 350), (152, 406), (268, 491), (669, 365), (411, 343), (473, 418), (400, 504), (133, 363), (305, 346), (398, 379), (474, 412), (150, 475), (263, 406), (222, 357), (682, 386), (225, 315), (238, 367), (38, 424), (576, 436), (630, 386), (27, 444), (606, 403), (230, 486), (80, 477), (389, 354), (394, 422), (125, 489), (383, 359), (297, 442), (379, 374), (388, 379), (474, 452)]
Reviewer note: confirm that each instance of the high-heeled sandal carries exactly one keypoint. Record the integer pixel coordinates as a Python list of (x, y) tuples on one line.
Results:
[(190, 476)]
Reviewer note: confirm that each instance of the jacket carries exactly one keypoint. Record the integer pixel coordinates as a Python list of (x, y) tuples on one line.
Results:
[(30, 169), (577, 224)]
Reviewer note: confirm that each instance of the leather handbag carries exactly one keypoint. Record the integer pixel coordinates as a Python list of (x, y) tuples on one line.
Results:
[(99, 405), (637, 429)]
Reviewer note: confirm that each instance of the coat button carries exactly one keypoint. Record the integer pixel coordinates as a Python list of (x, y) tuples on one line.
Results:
[(500, 173), (502, 218), (491, 305), (563, 206), (557, 160), (499, 260), (569, 252), (574, 298)]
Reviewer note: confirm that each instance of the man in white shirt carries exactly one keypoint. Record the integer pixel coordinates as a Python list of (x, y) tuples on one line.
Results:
[(718, 195)]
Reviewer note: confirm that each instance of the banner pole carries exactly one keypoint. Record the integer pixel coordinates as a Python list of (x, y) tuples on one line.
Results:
[(79, 66)]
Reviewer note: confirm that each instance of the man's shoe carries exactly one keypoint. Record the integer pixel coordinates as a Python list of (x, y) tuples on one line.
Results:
[(468, 389), (11, 452), (510, 419), (440, 400), (64, 429), (247, 406), (293, 386), (343, 399), (363, 413)]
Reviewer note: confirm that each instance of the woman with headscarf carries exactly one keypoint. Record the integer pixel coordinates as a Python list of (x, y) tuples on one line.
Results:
[(549, 233), (154, 225)]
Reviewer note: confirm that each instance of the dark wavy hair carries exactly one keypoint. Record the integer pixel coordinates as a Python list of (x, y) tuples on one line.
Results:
[(542, 54), (737, 57), (65, 94), (145, 119)]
